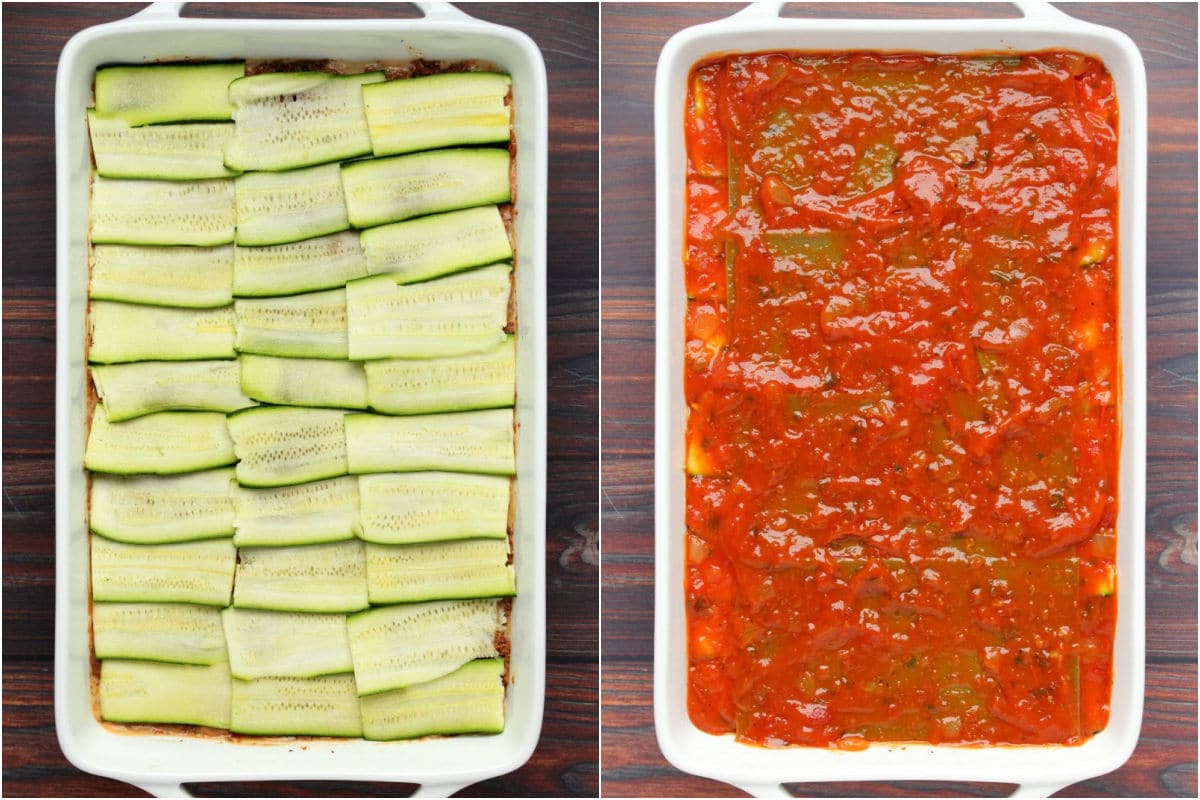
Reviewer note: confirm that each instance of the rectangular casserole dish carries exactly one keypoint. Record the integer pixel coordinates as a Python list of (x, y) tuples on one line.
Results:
[(1040, 770), (160, 763)]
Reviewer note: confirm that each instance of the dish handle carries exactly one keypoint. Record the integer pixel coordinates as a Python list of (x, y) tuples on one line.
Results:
[(166, 788), (764, 789), (779, 790), (438, 789), (1031, 10)]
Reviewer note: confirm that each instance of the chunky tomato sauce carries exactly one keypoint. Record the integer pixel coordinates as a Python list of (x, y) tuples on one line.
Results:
[(902, 374)]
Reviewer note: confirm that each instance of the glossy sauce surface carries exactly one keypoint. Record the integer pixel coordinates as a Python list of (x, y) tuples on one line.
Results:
[(902, 376)]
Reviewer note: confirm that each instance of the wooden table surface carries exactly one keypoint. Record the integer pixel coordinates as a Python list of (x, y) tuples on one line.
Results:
[(565, 763), (1164, 763)]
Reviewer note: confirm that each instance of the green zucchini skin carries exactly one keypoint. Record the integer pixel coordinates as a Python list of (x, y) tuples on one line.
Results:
[(164, 443), (146, 94), (198, 213), (187, 572), (151, 509), (283, 644), (468, 700), (324, 383), (323, 578), (177, 633), (159, 152), (324, 706), (437, 244), (438, 111), (306, 513), (311, 325), (281, 207), (454, 570), (417, 507), (279, 446), (180, 277), (468, 441), (149, 691), (124, 332), (453, 383), (135, 389), (326, 262)]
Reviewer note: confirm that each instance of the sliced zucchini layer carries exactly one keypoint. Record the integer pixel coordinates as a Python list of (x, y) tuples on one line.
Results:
[(436, 245), (438, 111), (284, 446), (463, 313), (163, 152), (323, 578), (397, 646), (281, 207), (305, 381), (165, 443), (140, 388), (326, 262), (391, 189), (125, 332), (470, 441), (162, 212), (296, 119), (325, 706), (411, 573), (191, 572), (468, 700), (148, 691), (433, 506), (308, 513), (453, 383), (166, 93), (184, 277), (176, 632), (309, 325), (285, 644), (149, 509)]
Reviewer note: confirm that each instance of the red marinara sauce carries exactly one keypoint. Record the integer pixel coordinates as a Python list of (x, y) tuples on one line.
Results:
[(902, 376)]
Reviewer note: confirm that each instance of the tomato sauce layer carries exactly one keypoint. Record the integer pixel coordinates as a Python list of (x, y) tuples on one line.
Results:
[(902, 378)]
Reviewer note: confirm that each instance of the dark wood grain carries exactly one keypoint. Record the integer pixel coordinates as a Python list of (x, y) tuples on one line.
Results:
[(565, 763), (1164, 763)]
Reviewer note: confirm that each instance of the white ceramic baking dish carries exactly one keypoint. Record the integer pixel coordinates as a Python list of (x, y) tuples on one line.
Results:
[(158, 763), (1039, 770)]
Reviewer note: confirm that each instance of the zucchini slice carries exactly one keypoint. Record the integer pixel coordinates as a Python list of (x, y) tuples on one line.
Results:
[(162, 152), (469, 441), (457, 570), (281, 207), (463, 313), (162, 212), (468, 700), (178, 633), (285, 644), (326, 262), (323, 578), (325, 706), (283, 446), (309, 325), (143, 387), (150, 509), (436, 245), (433, 506), (191, 572), (398, 646), (438, 111), (166, 93), (148, 691), (127, 332), (308, 513), (453, 383), (305, 381), (391, 189), (165, 443), (183, 277), (287, 120)]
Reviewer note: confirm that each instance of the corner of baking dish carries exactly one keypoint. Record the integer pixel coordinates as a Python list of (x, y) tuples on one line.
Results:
[(721, 757), (164, 761)]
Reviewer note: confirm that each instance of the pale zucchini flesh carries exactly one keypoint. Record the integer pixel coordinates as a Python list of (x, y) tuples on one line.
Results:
[(183, 277), (178, 633), (433, 506), (438, 111), (149, 691), (282, 446), (325, 262), (452, 383), (324, 383), (165, 443), (153, 509), (324, 706), (468, 441), (322, 578), (309, 325), (144, 387), (187, 572), (281, 207), (162, 152), (307, 513), (122, 332), (199, 213), (140, 95), (436, 245), (413, 573), (468, 700), (285, 644), (385, 190)]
